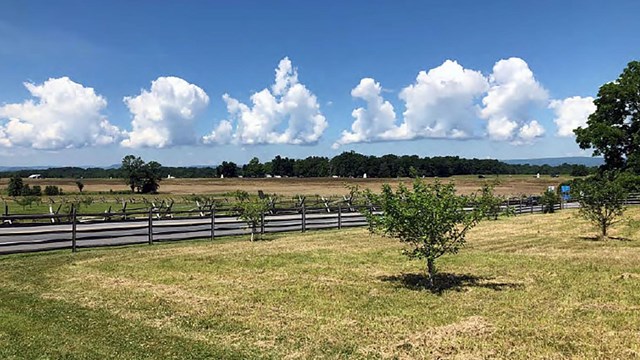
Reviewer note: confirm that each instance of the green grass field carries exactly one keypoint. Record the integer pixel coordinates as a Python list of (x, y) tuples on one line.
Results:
[(534, 286)]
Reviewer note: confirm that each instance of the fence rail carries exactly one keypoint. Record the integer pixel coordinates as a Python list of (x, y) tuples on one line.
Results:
[(77, 231)]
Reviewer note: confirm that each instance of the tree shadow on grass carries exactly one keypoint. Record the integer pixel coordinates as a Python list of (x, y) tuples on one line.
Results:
[(447, 282), (599, 238)]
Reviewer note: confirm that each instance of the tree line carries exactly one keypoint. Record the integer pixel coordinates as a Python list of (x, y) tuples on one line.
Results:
[(347, 164)]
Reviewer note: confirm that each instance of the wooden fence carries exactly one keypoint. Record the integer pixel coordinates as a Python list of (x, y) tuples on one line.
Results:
[(32, 233), (75, 231)]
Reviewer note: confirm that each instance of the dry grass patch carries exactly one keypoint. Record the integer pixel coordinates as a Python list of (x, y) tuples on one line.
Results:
[(508, 185), (524, 287)]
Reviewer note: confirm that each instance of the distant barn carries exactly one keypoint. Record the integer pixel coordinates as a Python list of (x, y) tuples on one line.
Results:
[(35, 176)]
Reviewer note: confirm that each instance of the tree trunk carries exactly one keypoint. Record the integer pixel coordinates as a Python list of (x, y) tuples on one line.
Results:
[(253, 230), (431, 272), (603, 226)]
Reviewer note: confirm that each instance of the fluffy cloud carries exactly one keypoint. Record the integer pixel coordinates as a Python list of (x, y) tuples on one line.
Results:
[(572, 113), (528, 132), (64, 114), (440, 104), (374, 122), (164, 115), (510, 101), (261, 123)]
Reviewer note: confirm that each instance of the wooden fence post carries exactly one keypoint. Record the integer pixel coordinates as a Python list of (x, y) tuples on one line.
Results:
[(6, 209), (304, 218), (73, 228), (520, 208), (261, 224), (339, 217), (150, 226), (213, 222)]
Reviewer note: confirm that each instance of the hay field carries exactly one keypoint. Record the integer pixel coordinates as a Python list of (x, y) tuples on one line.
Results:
[(529, 287), (508, 185)]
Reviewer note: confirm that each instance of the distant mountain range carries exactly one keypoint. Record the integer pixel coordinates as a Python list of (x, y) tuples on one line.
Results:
[(578, 160)]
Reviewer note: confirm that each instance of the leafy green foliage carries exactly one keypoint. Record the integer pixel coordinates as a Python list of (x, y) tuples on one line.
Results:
[(490, 202), (80, 185), (613, 130), (15, 186), (549, 200), (52, 190), (601, 200), (252, 212), (140, 176), (27, 200), (254, 168), (228, 169), (430, 217)]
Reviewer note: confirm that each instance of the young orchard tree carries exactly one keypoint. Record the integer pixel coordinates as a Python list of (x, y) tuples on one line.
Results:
[(601, 200), (549, 200), (252, 211), (430, 217)]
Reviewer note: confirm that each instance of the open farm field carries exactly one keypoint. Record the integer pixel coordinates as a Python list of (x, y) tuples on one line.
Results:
[(532, 286), (508, 185)]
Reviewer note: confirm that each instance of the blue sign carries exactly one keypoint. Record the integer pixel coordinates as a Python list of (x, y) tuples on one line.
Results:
[(565, 189)]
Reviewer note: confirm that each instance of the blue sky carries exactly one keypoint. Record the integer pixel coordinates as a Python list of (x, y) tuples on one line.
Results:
[(514, 70)]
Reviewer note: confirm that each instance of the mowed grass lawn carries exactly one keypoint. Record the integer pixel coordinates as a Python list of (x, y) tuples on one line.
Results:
[(524, 287)]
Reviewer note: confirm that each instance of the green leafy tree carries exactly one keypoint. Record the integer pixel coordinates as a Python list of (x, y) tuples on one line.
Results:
[(151, 177), (131, 169), (252, 212), (254, 168), (15, 186), (613, 130), (228, 169), (430, 217), (601, 200), (140, 176), (491, 203), (80, 185), (549, 200), (52, 190)]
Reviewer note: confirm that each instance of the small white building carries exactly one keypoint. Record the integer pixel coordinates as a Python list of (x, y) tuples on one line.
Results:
[(35, 176), (364, 176)]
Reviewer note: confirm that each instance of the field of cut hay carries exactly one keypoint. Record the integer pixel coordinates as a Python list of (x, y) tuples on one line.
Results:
[(507, 185)]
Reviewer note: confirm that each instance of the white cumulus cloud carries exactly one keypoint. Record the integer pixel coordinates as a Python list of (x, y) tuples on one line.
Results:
[(372, 122), (440, 104), (513, 96), (571, 113), (63, 114), (163, 116), (262, 122), (530, 131)]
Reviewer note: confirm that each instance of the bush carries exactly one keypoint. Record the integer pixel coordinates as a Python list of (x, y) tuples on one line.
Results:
[(549, 199), (51, 190)]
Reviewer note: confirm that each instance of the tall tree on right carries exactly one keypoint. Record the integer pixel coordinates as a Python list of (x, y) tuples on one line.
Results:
[(613, 130)]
